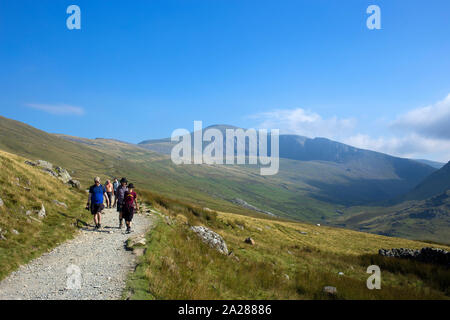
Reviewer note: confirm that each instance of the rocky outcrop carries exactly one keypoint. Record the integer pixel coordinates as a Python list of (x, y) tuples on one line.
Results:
[(211, 238), (75, 183), (63, 174), (56, 172), (427, 255)]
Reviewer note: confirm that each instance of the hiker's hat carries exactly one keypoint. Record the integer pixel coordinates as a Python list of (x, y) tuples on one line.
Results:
[(130, 186), (123, 180)]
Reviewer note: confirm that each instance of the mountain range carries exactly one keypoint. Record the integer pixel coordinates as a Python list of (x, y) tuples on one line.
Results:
[(319, 181), (375, 176)]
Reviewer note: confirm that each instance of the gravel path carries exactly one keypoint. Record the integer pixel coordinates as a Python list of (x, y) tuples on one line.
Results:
[(100, 256)]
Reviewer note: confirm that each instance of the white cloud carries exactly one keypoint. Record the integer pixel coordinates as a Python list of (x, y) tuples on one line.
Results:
[(305, 123), (61, 109), (432, 121), (408, 146), (420, 133)]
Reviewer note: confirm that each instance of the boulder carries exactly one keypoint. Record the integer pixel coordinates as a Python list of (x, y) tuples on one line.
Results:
[(139, 251), (330, 290), (44, 164), (75, 183), (63, 174), (136, 241), (1, 203), (211, 238), (249, 240)]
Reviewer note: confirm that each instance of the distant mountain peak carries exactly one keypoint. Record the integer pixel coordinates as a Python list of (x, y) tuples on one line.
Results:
[(436, 183)]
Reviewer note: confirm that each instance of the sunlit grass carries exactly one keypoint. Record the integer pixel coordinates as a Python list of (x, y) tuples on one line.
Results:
[(289, 261), (25, 188)]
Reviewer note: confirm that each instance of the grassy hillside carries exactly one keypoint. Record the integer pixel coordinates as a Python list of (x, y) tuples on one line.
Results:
[(426, 219), (436, 183), (313, 191), (23, 190), (288, 261), (348, 175), (29, 142)]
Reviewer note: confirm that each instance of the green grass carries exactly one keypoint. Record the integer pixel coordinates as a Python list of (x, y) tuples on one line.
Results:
[(309, 191), (283, 264), (423, 220), (34, 237)]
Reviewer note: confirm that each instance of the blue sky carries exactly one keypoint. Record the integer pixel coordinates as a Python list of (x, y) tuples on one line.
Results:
[(141, 69)]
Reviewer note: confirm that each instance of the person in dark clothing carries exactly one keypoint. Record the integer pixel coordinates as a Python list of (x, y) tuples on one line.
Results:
[(129, 206), (120, 195), (97, 193)]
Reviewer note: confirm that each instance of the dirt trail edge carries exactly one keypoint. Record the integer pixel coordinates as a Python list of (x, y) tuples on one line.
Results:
[(99, 257)]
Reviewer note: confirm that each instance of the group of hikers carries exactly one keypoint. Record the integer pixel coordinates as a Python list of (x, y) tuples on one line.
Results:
[(125, 199)]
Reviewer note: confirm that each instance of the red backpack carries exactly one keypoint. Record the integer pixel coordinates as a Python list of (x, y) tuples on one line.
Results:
[(129, 200)]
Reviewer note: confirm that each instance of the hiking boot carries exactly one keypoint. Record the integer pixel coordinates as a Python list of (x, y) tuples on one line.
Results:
[(99, 226), (120, 225), (128, 230)]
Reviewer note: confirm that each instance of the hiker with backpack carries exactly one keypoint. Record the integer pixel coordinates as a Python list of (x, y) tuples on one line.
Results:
[(97, 193), (129, 206), (120, 196)]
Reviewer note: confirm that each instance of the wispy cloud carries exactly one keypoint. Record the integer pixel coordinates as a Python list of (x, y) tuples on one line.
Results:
[(422, 132), (432, 121), (408, 146), (57, 109), (305, 122)]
